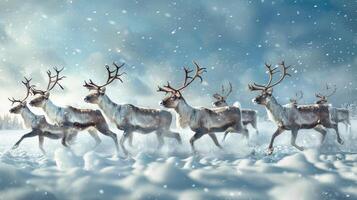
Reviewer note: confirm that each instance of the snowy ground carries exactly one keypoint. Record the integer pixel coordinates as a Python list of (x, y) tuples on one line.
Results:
[(240, 171)]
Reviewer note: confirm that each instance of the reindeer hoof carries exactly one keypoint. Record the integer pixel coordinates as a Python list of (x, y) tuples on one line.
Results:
[(301, 148), (65, 144), (126, 153), (270, 151), (340, 141), (15, 146)]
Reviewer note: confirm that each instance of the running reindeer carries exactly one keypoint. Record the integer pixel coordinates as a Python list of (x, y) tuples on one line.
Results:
[(201, 120), (91, 120), (290, 117), (337, 114), (38, 124), (248, 116), (128, 117)]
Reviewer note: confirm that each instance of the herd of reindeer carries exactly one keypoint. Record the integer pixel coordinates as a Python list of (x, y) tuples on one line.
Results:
[(68, 121)]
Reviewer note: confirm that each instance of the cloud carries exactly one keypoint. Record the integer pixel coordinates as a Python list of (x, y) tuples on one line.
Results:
[(156, 39)]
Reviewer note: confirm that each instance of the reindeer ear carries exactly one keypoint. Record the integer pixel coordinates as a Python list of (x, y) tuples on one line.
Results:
[(102, 90), (24, 103), (178, 94), (217, 96), (269, 91), (47, 95)]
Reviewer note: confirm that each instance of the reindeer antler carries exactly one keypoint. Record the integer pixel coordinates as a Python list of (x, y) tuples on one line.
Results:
[(333, 91), (92, 86), (271, 72), (324, 96), (229, 91), (223, 96), (298, 96), (53, 80), (187, 81), (26, 82), (56, 78)]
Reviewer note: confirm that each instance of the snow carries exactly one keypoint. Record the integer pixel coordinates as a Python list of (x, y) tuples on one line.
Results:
[(241, 170)]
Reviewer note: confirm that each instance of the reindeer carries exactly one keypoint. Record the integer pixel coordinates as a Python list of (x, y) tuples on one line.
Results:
[(298, 96), (38, 124), (337, 114), (322, 98), (91, 120), (128, 117), (201, 120), (291, 117), (248, 116)]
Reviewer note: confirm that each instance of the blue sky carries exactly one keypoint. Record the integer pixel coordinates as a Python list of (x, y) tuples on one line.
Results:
[(156, 39)]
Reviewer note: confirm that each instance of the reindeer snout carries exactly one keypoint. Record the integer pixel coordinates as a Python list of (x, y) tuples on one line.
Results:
[(11, 110), (86, 99)]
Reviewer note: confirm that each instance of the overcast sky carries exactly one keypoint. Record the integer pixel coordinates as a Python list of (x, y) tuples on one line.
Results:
[(155, 39)]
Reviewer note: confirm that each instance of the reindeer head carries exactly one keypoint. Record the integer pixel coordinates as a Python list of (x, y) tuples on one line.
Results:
[(323, 97), (43, 95), (175, 96), (21, 103), (221, 98), (298, 96), (99, 90), (267, 89)]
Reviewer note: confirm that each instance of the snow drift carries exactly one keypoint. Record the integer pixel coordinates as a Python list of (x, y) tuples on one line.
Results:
[(240, 171)]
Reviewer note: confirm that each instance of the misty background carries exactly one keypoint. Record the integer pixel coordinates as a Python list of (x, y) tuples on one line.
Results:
[(232, 39)]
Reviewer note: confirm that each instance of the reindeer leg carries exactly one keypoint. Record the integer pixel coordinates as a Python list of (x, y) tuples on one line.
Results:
[(254, 124), (294, 133), (245, 132), (131, 139), (242, 129), (214, 138), (225, 135), (347, 126), (277, 132), (51, 135), (95, 136), (195, 137), (339, 139), (71, 137), (335, 127), (104, 129), (171, 134), (64, 139), (27, 135), (125, 135), (40, 144), (160, 139), (322, 131)]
